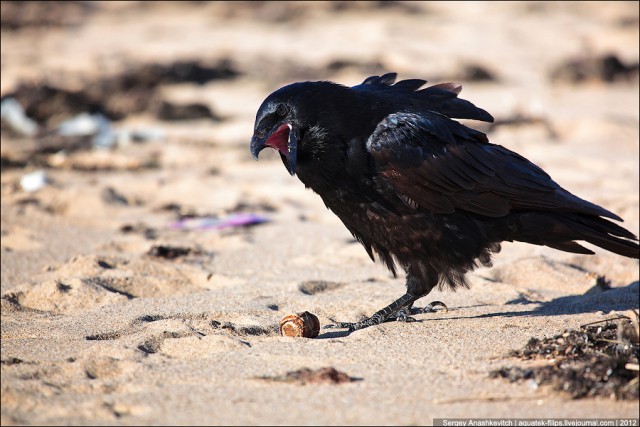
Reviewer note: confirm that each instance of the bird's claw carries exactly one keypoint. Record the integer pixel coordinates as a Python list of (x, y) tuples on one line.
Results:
[(342, 325), (337, 325), (376, 319), (403, 316), (431, 307)]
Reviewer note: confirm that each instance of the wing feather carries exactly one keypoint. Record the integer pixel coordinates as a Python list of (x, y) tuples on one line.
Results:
[(441, 98), (443, 166)]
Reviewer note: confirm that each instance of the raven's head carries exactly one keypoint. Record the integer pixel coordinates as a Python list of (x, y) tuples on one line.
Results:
[(289, 113), (277, 127)]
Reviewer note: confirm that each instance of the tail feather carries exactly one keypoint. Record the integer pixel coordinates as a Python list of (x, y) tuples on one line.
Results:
[(560, 231), (570, 246), (605, 234)]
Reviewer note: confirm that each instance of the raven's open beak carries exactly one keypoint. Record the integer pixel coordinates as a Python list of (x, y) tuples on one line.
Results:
[(256, 146), (283, 138)]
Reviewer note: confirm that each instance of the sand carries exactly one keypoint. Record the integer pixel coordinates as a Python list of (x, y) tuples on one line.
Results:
[(96, 329)]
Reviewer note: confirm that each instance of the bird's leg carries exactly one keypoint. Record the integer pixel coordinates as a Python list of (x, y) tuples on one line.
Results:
[(421, 279), (398, 310)]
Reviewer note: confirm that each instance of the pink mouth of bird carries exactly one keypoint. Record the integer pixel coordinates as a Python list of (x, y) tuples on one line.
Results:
[(280, 139)]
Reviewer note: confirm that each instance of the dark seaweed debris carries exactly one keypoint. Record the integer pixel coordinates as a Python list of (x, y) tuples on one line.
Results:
[(131, 91), (169, 252), (606, 68), (312, 287), (597, 360), (304, 376), (17, 15)]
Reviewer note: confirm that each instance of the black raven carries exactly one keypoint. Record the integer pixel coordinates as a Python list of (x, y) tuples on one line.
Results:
[(419, 189)]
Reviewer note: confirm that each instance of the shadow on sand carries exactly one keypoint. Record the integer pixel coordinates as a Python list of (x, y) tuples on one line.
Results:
[(614, 299)]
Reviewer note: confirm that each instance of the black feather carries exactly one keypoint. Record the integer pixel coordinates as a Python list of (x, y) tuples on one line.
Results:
[(422, 191)]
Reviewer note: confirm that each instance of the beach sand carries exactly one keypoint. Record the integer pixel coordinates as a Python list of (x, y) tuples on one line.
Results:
[(114, 314)]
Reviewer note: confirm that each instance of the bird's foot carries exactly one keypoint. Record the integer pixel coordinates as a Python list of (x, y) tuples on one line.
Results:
[(430, 308), (398, 310), (373, 320), (403, 315)]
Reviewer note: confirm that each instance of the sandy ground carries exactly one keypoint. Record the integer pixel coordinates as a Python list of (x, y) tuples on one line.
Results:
[(98, 330)]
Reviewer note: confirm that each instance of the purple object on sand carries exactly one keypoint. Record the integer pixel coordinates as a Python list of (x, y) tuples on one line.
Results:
[(209, 223)]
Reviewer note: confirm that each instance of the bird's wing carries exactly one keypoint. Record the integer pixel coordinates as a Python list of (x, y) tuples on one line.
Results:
[(441, 98), (436, 163)]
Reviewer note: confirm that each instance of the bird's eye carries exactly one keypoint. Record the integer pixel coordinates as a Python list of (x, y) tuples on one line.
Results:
[(282, 110)]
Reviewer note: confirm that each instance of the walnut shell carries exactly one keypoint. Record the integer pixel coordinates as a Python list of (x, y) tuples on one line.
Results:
[(303, 324)]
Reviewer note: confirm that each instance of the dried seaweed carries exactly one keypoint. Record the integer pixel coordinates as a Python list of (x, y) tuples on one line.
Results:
[(304, 376), (597, 360)]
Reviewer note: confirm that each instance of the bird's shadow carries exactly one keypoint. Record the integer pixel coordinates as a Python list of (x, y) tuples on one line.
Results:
[(335, 334), (615, 299)]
